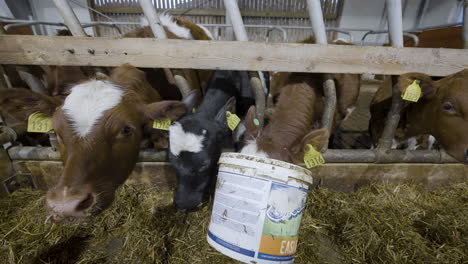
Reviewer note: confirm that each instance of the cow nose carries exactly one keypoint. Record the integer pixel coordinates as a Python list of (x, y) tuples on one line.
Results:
[(466, 156), (70, 206)]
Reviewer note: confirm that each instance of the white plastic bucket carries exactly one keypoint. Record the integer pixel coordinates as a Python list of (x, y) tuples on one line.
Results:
[(258, 208)]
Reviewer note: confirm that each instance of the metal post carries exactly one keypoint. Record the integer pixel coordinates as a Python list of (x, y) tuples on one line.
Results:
[(159, 32), (228, 30), (395, 26), (316, 18), (70, 18), (232, 10), (465, 24), (153, 19), (395, 22), (32, 81)]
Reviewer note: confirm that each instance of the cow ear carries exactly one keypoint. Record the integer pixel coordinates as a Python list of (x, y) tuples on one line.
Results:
[(19, 103), (428, 87), (170, 109), (230, 106), (317, 138), (252, 126)]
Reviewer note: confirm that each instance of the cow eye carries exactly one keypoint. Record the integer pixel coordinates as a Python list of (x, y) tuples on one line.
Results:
[(127, 131), (448, 107)]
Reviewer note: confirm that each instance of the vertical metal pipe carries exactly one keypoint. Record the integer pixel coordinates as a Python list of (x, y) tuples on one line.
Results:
[(316, 18), (395, 25), (232, 10), (159, 32), (153, 19), (229, 31), (465, 24), (395, 22), (329, 89), (69, 18)]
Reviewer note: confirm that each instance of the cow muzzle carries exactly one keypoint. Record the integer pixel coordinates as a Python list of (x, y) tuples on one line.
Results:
[(77, 206), (465, 159)]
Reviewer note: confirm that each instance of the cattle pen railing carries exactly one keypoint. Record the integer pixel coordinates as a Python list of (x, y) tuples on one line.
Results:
[(247, 56)]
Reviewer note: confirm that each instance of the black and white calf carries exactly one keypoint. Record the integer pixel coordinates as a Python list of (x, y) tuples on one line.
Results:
[(196, 140)]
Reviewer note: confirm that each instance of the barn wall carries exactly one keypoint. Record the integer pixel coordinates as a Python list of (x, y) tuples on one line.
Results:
[(45, 10), (372, 14)]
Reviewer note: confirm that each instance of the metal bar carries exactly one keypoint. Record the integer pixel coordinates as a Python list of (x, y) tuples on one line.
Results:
[(465, 24), (159, 32), (331, 155), (316, 18), (70, 18), (7, 20), (408, 34), (232, 9), (329, 89), (395, 26), (153, 19), (236, 19), (30, 79), (7, 135), (395, 22)]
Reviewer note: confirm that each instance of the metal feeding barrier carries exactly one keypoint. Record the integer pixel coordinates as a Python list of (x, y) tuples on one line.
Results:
[(382, 154)]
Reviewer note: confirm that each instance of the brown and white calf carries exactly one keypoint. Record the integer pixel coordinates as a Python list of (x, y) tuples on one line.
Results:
[(296, 116), (99, 126), (442, 112), (289, 128)]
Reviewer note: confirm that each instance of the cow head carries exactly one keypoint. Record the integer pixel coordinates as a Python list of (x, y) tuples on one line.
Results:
[(195, 146), (442, 111), (99, 128), (264, 143)]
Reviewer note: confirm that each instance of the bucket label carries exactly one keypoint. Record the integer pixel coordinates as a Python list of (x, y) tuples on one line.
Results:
[(282, 221)]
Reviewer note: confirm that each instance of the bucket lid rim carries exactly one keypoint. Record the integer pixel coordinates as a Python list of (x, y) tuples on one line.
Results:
[(283, 164)]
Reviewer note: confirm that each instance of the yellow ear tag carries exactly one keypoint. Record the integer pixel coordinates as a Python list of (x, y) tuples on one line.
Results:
[(312, 158), (39, 123), (162, 124), (232, 120), (413, 92), (194, 110)]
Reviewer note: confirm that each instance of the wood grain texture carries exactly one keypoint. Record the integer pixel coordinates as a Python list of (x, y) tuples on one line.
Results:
[(229, 55)]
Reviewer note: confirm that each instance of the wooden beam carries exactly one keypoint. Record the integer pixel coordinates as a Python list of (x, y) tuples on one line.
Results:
[(211, 12), (229, 55)]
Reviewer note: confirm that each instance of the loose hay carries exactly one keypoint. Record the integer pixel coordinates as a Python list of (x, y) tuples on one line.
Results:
[(377, 224)]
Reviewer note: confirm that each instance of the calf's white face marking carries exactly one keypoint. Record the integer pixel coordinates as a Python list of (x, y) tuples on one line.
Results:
[(180, 140), (88, 101), (252, 149)]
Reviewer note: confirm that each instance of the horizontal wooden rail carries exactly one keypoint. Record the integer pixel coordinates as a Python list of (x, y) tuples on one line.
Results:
[(229, 55)]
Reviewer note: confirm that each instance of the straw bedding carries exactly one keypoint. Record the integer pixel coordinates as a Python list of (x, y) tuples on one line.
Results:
[(376, 224)]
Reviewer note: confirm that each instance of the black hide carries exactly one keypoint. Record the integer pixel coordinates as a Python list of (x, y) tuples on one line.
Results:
[(196, 171)]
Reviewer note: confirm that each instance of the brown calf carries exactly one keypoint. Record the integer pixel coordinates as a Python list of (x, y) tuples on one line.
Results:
[(289, 128), (99, 128), (441, 112)]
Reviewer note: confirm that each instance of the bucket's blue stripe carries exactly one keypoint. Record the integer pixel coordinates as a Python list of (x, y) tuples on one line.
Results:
[(275, 258), (230, 246)]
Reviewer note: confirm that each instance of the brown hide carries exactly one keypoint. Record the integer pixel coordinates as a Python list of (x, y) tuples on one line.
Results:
[(98, 161), (442, 111), (15, 106), (283, 137), (450, 37), (347, 86), (96, 164)]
